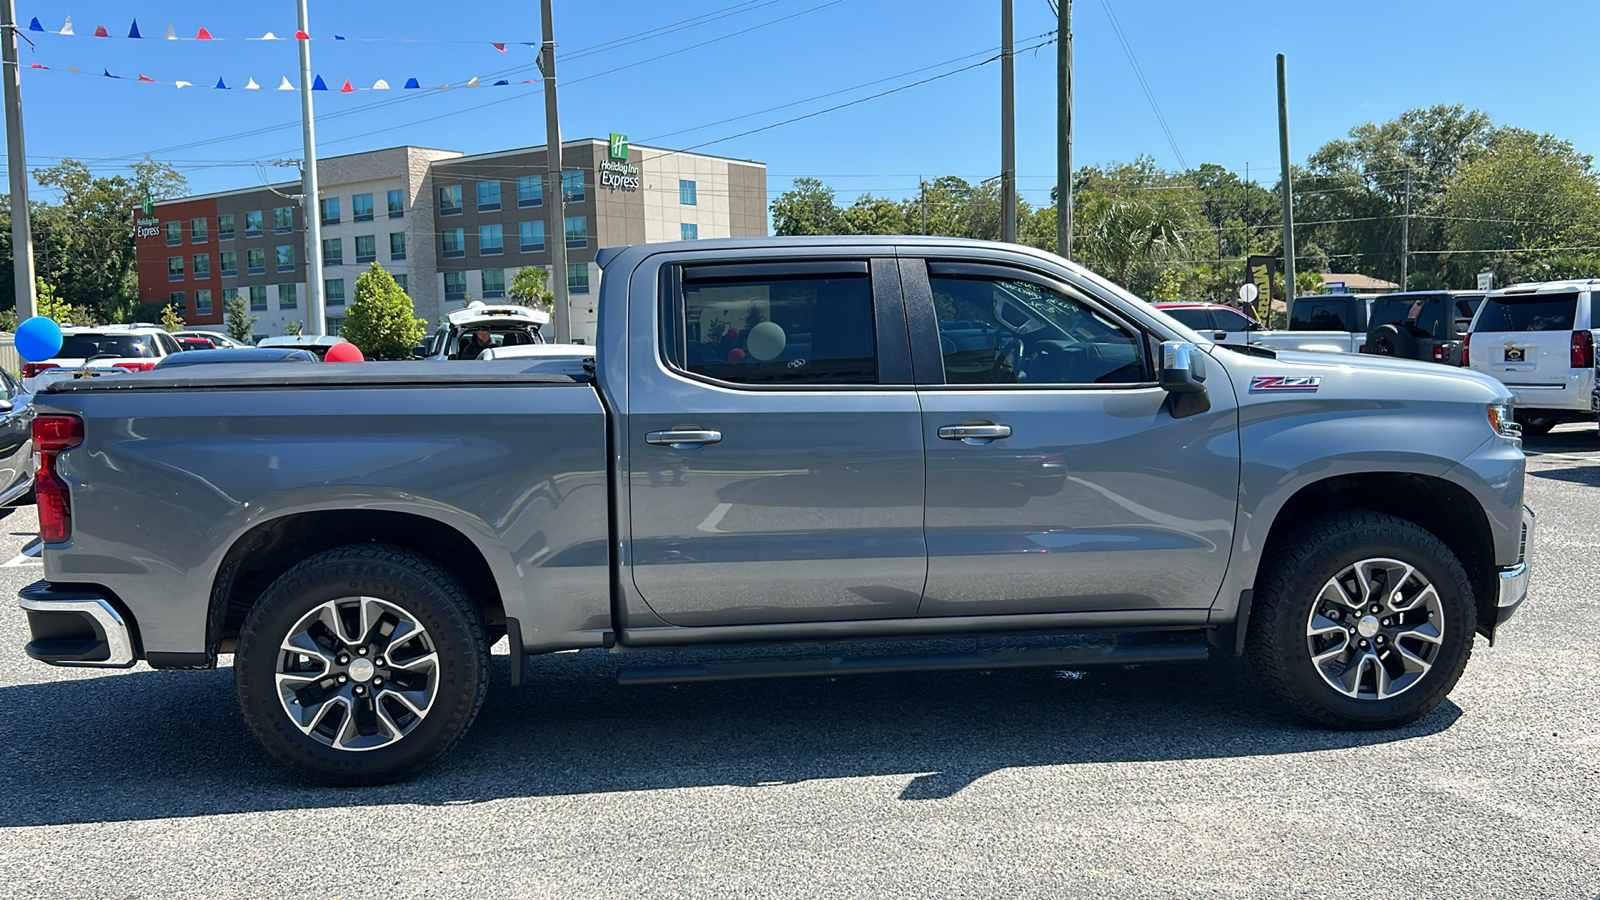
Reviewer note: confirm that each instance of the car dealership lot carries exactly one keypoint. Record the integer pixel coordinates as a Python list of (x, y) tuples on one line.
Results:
[(1154, 781)]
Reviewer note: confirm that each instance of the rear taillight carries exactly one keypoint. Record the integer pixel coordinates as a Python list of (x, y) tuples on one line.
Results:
[(1438, 354), (1466, 350), (143, 365), (51, 435), (29, 370), (1583, 349)]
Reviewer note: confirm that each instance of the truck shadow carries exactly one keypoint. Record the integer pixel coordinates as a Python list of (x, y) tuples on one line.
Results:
[(152, 745)]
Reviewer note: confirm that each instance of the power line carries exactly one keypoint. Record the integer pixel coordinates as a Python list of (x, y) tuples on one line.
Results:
[(1139, 74)]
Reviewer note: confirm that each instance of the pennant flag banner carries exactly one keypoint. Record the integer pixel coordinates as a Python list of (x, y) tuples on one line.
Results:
[(101, 31), (284, 84)]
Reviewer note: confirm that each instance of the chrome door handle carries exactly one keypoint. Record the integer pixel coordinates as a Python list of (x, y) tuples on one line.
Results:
[(684, 439), (974, 434)]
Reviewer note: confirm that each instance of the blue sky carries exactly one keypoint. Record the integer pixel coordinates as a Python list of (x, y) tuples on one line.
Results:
[(1209, 64)]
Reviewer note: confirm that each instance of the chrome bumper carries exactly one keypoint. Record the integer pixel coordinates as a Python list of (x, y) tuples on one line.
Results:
[(1514, 578), (75, 628)]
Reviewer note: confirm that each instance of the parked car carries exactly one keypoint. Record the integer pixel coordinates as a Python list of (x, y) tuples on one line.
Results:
[(317, 345), (241, 355), (133, 348), (359, 536), (1224, 324), (16, 445), (1539, 340), (508, 326), (1426, 325), (187, 342), (217, 338)]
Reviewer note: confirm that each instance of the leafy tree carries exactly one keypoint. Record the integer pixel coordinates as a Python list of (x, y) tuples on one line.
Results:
[(83, 315), (170, 320), (530, 287), (8, 320), (873, 215), (293, 327), (806, 208), (50, 304), (238, 321), (381, 320)]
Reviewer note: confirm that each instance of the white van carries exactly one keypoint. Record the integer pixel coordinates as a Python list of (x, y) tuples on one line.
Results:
[(1538, 340)]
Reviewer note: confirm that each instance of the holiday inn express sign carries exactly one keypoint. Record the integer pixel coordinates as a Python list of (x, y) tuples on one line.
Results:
[(616, 173)]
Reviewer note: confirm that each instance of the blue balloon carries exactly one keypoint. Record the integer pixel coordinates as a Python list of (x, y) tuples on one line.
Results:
[(38, 339)]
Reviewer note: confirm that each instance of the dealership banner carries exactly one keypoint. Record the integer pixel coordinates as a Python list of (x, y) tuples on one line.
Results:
[(1259, 271), (204, 34), (250, 84)]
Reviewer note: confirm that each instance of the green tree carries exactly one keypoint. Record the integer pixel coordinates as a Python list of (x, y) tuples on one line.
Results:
[(806, 208), (293, 327), (530, 287), (170, 320), (8, 320), (381, 320), (238, 321), (49, 304), (873, 215)]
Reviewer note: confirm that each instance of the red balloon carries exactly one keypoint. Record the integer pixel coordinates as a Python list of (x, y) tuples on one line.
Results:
[(733, 334), (345, 352), (736, 356)]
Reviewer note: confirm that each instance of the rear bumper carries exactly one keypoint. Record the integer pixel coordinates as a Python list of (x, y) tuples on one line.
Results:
[(76, 627), (1513, 579)]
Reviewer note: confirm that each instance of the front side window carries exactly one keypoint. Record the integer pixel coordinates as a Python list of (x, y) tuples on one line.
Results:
[(488, 196), (332, 251), (1194, 317), (333, 290), (287, 298), (283, 219), (252, 223), (577, 232), (361, 207), (230, 263), (530, 191), (174, 268), (366, 248), (174, 233), (572, 186), (455, 285), (1231, 320), (455, 243), (491, 240), (285, 257), (686, 193), (778, 330), (258, 297), (530, 237), (494, 283), (397, 245), (450, 200), (202, 265), (256, 259), (197, 231), (1012, 331), (397, 204), (225, 227), (330, 211), (202, 303)]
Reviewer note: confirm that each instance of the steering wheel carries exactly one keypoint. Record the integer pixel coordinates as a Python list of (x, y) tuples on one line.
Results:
[(1007, 359)]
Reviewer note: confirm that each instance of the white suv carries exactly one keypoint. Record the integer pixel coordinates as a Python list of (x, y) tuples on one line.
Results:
[(131, 348), (1538, 340)]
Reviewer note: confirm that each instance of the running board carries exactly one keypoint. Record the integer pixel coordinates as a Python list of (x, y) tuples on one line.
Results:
[(924, 662)]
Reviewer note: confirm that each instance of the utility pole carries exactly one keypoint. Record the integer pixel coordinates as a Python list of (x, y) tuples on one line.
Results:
[(1008, 129), (555, 198), (315, 310), (924, 185), (1288, 194), (1064, 140), (1405, 234), (16, 157)]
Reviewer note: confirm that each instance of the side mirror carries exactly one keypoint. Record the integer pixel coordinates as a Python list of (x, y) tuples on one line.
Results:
[(6, 406), (1183, 376)]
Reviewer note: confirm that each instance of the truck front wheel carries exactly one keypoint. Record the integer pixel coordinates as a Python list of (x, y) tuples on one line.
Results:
[(1361, 621), (361, 665)]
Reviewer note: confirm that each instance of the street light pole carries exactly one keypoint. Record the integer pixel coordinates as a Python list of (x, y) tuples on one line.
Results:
[(17, 160), (555, 198), (315, 311), (1288, 194)]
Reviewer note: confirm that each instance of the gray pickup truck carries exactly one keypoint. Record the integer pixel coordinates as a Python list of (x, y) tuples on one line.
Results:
[(782, 442)]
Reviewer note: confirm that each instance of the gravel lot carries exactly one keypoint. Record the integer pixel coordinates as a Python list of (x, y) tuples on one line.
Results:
[(1152, 781)]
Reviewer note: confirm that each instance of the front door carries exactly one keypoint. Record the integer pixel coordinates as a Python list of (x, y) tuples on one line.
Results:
[(775, 447), (1059, 479)]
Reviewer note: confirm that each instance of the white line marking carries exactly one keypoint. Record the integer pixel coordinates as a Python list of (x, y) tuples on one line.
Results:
[(715, 519), (23, 561), (1587, 459)]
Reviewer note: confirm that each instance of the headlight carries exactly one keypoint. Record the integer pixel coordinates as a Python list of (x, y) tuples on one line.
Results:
[(1501, 420)]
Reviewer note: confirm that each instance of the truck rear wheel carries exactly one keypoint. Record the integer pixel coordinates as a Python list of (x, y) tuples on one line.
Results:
[(1361, 621), (361, 665)]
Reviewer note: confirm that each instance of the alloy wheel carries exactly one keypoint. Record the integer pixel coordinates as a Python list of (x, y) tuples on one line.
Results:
[(1376, 629)]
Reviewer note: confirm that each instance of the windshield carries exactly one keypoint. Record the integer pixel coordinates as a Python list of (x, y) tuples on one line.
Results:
[(1528, 312), (84, 346)]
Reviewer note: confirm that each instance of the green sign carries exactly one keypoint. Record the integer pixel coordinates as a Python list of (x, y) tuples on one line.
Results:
[(149, 207), (619, 146)]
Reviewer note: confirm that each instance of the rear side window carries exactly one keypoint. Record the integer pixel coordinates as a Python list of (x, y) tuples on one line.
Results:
[(122, 346), (752, 328), (1529, 312), (1320, 315), (1198, 319), (1228, 320)]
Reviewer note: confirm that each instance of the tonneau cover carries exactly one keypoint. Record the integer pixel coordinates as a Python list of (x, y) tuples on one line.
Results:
[(416, 373)]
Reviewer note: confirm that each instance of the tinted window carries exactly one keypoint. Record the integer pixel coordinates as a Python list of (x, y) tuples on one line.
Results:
[(1320, 315), (1229, 320), (780, 330), (83, 346), (1529, 312), (1002, 331), (1198, 319)]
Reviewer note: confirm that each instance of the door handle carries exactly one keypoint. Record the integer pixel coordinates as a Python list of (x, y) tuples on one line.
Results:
[(974, 434), (683, 439), (1220, 336)]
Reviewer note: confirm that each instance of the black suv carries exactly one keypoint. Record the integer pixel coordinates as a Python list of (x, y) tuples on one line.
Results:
[(1426, 325)]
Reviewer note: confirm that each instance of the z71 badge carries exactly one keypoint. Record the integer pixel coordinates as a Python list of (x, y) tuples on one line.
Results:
[(1274, 384)]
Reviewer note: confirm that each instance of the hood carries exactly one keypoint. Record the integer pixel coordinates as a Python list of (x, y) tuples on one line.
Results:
[(1359, 376)]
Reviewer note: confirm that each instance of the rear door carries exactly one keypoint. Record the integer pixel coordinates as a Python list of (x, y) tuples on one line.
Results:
[(1524, 338), (1232, 327)]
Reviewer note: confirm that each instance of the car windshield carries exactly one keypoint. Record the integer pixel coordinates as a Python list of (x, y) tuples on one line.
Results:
[(123, 346), (1528, 312)]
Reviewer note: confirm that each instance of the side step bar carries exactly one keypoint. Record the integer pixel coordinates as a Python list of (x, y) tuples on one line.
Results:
[(922, 662)]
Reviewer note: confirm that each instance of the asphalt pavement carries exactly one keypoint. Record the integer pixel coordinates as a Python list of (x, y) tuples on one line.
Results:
[(1182, 780)]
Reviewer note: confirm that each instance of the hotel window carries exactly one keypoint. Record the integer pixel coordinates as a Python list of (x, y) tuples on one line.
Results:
[(494, 284), (361, 208), (336, 324), (255, 259), (686, 193), (333, 251), (403, 281), (252, 223), (450, 200), (202, 303), (455, 243), (397, 246), (455, 285), (285, 257), (577, 232), (258, 297), (578, 279), (202, 266), (230, 263), (397, 204), (197, 231), (286, 297), (488, 196), (333, 290), (530, 191), (572, 186), (283, 219), (225, 227), (689, 231), (228, 296), (530, 237), (491, 240), (174, 268), (366, 248), (176, 298), (174, 234), (330, 211)]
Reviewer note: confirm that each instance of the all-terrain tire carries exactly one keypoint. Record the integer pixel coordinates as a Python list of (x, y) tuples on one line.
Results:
[(1287, 590)]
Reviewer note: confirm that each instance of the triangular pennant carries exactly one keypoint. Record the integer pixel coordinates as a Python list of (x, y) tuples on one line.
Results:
[(380, 85), (107, 73), (37, 66), (147, 79), (172, 34), (301, 36), (67, 28), (443, 87), (203, 35), (347, 89), (527, 43), (134, 31), (474, 82), (269, 36), (220, 86), (319, 84), (285, 86), (77, 70), (100, 31), (251, 85), (500, 47), (34, 25), (412, 85), (338, 37), (183, 84), (501, 82)]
